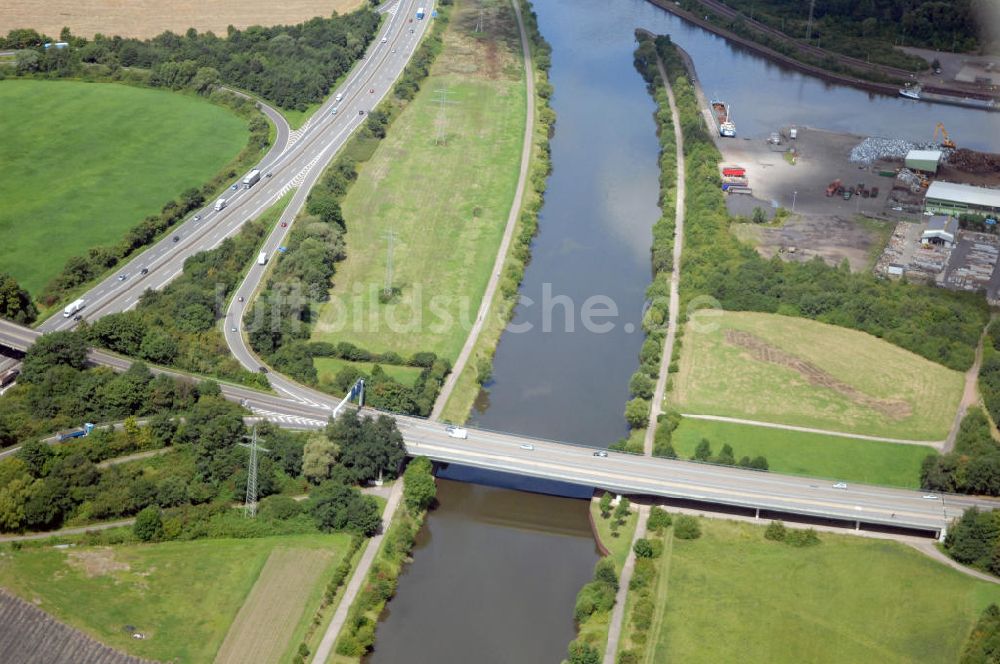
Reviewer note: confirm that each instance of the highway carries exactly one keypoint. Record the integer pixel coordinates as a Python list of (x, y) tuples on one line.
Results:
[(303, 407), (295, 162)]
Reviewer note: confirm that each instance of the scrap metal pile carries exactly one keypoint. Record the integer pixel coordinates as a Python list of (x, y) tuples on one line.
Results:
[(874, 148), (971, 161)]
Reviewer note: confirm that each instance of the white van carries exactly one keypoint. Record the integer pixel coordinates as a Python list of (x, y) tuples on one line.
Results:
[(340, 96), (262, 258), (457, 432), (219, 204)]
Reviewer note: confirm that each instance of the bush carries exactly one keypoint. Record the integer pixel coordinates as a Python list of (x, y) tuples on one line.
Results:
[(776, 531), (279, 507), (645, 548), (801, 538), (687, 527), (148, 524), (583, 653), (604, 572), (594, 597), (659, 519)]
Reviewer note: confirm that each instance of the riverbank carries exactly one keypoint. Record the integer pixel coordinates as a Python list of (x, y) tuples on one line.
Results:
[(774, 45)]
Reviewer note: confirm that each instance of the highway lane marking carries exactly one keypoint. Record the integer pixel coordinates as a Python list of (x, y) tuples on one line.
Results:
[(659, 482)]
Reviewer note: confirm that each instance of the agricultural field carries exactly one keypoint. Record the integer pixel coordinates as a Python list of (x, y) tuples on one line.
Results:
[(446, 226), (100, 590), (84, 162), (266, 621), (148, 18), (796, 371), (734, 596), (817, 455)]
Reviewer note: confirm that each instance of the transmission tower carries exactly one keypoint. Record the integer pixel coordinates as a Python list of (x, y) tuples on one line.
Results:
[(250, 507), (442, 119), (809, 23)]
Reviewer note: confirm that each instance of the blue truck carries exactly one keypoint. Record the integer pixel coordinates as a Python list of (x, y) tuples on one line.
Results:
[(77, 433), (420, 14)]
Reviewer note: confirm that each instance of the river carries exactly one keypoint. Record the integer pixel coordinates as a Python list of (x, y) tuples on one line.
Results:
[(495, 572)]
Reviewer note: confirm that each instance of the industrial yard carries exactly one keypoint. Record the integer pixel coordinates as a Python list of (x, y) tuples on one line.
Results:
[(847, 196)]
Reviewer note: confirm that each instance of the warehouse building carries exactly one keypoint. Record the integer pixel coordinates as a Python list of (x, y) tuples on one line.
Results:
[(951, 198), (923, 160), (941, 230)]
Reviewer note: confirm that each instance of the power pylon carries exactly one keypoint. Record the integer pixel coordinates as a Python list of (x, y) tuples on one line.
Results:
[(250, 506)]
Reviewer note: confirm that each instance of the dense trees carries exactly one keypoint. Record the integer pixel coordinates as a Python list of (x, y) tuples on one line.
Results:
[(974, 539), (419, 488), (983, 645), (337, 506), (291, 65), (15, 302), (370, 448), (974, 464)]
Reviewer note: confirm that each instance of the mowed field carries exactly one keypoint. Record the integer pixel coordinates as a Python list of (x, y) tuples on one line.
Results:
[(817, 455), (84, 162), (148, 18), (796, 371), (442, 183), (183, 596), (733, 596), (267, 620)]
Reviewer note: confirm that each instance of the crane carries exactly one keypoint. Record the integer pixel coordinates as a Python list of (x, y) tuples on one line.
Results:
[(946, 142)]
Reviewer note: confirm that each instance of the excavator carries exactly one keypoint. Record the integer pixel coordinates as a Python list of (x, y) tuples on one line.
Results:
[(946, 141)]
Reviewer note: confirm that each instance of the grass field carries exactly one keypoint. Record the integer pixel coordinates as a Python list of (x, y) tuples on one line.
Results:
[(84, 162), (269, 615), (796, 371), (445, 201), (734, 596), (182, 595), (327, 367), (148, 18), (831, 457)]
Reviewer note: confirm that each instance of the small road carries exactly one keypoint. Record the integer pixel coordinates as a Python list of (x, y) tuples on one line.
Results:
[(970, 395), (675, 274), (136, 457), (79, 530), (936, 444), (358, 578), (624, 580), (508, 233)]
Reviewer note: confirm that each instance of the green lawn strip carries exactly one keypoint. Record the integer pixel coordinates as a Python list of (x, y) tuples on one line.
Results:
[(831, 457), (446, 225), (328, 367), (182, 595), (735, 596), (661, 597), (815, 375), (86, 161)]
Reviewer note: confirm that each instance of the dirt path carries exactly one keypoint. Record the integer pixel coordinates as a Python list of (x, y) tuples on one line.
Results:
[(618, 613), (970, 395), (508, 233), (79, 530), (675, 274), (937, 444), (358, 578), (136, 457), (927, 547)]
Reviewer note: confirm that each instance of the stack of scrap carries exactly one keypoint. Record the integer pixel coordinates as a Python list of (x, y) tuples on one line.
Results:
[(971, 161), (909, 179), (876, 148)]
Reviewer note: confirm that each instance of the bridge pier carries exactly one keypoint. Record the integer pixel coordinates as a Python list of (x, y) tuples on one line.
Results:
[(756, 514), (857, 525)]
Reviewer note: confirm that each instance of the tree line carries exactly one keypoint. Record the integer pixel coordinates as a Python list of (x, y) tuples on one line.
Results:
[(973, 466), (292, 66), (940, 325)]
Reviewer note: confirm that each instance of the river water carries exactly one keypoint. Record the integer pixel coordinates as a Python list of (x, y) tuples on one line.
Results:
[(495, 572)]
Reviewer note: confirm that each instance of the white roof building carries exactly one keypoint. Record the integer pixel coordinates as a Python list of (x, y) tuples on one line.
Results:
[(951, 198)]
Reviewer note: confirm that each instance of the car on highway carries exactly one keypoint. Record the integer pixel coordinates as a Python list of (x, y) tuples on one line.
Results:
[(268, 174), (840, 485), (371, 91), (333, 111), (235, 187), (527, 446), (177, 238), (393, 50), (284, 224), (122, 277), (361, 112), (197, 217), (262, 369), (601, 453), (78, 317), (457, 432), (232, 329), (384, 40), (144, 270), (930, 496)]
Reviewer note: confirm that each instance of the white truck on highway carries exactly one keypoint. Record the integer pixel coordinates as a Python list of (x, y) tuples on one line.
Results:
[(72, 308), (252, 178), (220, 204), (262, 258), (420, 14)]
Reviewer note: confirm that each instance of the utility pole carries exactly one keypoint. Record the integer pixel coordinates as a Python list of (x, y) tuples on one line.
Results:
[(250, 506), (387, 288), (809, 23), (442, 119), (794, 195)]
